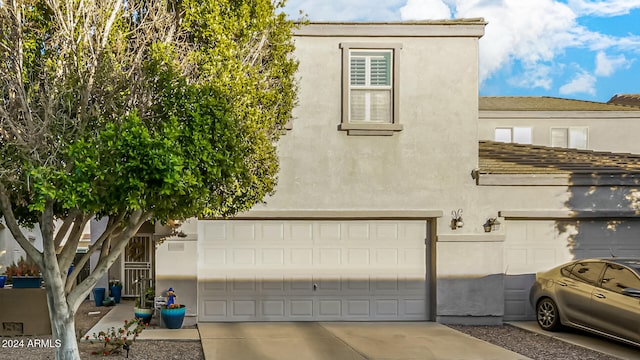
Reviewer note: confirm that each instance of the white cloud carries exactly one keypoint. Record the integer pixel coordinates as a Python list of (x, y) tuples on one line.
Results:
[(534, 77), (603, 7), (524, 38), (346, 10), (583, 83), (425, 10), (605, 65), (531, 31)]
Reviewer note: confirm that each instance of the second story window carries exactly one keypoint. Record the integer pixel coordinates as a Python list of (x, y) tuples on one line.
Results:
[(370, 94), (520, 135), (573, 137), (370, 89)]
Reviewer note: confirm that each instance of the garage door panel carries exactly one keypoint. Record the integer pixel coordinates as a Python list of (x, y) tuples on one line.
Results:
[(301, 256), (273, 308), (243, 232), (300, 232), (356, 231), (313, 270), (328, 232), (386, 257), (272, 256), (329, 308), (329, 256), (358, 256), (215, 309), (301, 308), (385, 231)]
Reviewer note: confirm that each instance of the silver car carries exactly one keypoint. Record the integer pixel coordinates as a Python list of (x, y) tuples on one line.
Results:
[(598, 295)]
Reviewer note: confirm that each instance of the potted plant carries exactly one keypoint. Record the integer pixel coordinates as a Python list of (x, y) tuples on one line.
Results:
[(115, 286), (24, 274), (172, 314), (143, 310)]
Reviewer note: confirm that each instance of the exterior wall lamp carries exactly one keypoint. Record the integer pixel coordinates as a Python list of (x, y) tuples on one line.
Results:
[(492, 224), (456, 219)]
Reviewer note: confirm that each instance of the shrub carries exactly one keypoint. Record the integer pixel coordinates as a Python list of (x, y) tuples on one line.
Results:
[(117, 339)]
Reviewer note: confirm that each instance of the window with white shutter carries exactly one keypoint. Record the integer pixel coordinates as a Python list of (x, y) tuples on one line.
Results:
[(370, 89), (370, 86)]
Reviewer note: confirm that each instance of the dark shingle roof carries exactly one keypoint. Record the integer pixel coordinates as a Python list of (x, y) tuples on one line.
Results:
[(508, 158), (625, 99), (545, 103)]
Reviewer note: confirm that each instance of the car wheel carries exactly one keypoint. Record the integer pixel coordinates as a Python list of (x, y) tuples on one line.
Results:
[(547, 315)]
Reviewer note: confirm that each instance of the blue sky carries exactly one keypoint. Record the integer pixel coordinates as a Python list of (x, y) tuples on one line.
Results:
[(577, 49)]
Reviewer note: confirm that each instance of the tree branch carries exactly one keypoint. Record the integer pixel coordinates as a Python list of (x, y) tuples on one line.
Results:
[(80, 292), (113, 224), (14, 228), (65, 258), (64, 228)]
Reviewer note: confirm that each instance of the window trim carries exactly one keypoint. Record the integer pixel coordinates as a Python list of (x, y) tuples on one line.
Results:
[(568, 136), (361, 128), (512, 134)]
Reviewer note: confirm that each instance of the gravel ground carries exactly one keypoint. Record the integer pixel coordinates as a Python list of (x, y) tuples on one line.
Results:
[(529, 344), (142, 349)]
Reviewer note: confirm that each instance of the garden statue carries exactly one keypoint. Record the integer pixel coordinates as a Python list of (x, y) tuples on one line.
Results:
[(171, 296)]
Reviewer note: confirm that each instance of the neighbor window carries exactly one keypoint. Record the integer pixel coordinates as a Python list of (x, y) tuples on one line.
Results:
[(573, 137), (370, 88), (520, 135)]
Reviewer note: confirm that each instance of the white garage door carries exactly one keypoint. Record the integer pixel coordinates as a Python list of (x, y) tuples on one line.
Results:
[(298, 270), (537, 245)]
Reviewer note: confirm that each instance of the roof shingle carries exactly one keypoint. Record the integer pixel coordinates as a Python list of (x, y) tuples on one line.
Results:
[(545, 103), (509, 158)]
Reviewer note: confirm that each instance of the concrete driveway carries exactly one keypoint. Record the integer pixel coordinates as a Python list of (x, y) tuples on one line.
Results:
[(343, 340)]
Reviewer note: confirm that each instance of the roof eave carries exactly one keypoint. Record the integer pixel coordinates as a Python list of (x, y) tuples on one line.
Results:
[(559, 179)]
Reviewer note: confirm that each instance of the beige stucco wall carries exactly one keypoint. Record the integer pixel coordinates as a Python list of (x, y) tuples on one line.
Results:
[(425, 166), (614, 131)]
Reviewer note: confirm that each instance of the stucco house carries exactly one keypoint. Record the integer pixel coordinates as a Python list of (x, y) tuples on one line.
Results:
[(388, 174)]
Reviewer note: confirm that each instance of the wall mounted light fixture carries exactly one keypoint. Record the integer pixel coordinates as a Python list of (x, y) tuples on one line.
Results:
[(492, 224), (456, 219)]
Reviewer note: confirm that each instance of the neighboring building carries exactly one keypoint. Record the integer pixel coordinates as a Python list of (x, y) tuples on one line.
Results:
[(564, 123), (625, 99), (557, 205)]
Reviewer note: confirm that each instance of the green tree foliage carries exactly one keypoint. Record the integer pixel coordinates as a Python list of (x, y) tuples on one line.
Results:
[(135, 111)]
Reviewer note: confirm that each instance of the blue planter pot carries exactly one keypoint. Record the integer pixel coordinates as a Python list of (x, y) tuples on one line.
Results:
[(98, 295), (116, 293), (26, 282), (3, 279), (144, 314), (173, 318)]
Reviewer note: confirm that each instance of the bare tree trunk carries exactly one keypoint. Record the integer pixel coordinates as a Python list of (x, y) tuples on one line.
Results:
[(61, 314), (63, 329)]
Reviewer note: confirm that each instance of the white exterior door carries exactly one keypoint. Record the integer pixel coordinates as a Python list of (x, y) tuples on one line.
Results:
[(298, 270)]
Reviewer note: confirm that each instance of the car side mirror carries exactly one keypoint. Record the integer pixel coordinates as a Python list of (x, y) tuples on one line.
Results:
[(631, 292)]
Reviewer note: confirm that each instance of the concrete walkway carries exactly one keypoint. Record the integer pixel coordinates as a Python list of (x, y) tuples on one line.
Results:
[(313, 340), (124, 311)]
